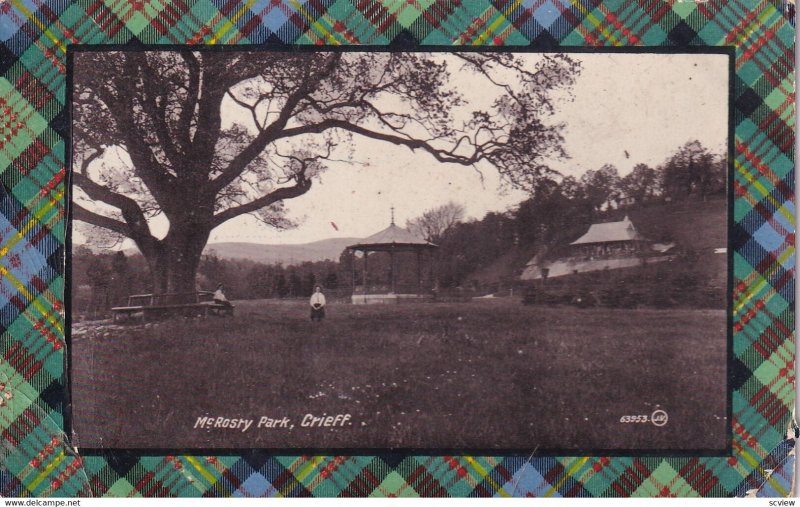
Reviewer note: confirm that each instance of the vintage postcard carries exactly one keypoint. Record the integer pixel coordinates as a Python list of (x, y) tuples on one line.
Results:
[(352, 250), (439, 249)]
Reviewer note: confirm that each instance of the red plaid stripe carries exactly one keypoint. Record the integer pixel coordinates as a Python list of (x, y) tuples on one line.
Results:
[(365, 17), (44, 325), (769, 405), (749, 428), (748, 152), (651, 13), (769, 266), (97, 486), (378, 15), (47, 450), (150, 487), (231, 6), (654, 11), (11, 487), (698, 476), (21, 427), (46, 14), (607, 467), (365, 13), (13, 119), (33, 90), (632, 26), (711, 10), (778, 131), (742, 440), (631, 478), (73, 469), (31, 157), (447, 17), (331, 470), (364, 483), (19, 303), (170, 17), (169, 485), (345, 34), (19, 358), (49, 70), (424, 483), (104, 18), (474, 29), (286, 483), (770, 342), (439, 12), (735, 26), (301, 22), (54, 184)]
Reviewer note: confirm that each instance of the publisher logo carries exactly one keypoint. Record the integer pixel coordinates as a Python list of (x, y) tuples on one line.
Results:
[(659, 418)]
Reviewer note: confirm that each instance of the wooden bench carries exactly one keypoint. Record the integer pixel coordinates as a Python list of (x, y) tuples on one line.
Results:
[(152, 306)]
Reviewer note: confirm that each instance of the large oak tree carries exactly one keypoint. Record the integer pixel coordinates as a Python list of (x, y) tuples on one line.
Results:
[(156, 132)]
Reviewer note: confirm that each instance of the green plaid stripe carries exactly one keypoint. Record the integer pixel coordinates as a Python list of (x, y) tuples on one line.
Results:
[(34, 34)]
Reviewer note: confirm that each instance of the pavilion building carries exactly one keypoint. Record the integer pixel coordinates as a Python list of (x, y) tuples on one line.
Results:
[(605, 246)]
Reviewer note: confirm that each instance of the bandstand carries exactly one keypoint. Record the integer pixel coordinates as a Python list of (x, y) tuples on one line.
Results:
[(397, 285)]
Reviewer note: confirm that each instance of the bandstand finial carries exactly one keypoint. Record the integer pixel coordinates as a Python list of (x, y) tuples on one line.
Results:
[(392, 208)]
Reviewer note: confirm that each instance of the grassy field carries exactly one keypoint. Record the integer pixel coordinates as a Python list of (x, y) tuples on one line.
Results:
[(490, 374)]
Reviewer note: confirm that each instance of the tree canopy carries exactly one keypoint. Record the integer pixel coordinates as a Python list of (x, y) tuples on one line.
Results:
[(154, 134), (434, 223)]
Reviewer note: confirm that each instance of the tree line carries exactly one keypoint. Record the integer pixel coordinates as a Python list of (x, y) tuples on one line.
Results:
[(101, 280), (560, 210), (557, 211)]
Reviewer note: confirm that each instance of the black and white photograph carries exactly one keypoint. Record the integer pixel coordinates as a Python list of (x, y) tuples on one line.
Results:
[(358, 250)]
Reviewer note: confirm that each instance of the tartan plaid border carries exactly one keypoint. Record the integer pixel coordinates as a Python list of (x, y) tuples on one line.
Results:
[(37, 459)]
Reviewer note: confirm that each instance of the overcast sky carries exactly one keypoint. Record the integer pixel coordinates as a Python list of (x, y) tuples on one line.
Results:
[(647, 105)]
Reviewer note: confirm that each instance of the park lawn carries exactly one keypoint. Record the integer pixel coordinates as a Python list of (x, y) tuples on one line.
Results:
[(483, 375)]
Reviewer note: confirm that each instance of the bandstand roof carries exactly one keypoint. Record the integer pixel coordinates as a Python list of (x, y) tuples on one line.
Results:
[(390, 238)]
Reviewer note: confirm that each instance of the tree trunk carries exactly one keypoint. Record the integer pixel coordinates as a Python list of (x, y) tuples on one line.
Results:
[(157, 262), (184, 247), (174, 260)]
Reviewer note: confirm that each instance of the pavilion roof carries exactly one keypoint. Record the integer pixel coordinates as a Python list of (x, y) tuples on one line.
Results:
[(609, 232)]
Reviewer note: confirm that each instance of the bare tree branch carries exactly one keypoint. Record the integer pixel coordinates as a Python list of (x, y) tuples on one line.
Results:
[(273, 130), (84, 215), (192, 98), (131, 212), (447, 156), (160, 183), (303, 185), (154, 103)]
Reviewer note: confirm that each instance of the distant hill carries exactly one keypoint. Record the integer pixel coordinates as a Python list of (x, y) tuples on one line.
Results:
[(326, 249), (285, 254)]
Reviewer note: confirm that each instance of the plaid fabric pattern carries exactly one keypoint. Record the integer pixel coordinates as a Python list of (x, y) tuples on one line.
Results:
[(36, 457)]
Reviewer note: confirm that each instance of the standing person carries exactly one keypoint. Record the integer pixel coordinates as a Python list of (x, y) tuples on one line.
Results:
[(317, 304)]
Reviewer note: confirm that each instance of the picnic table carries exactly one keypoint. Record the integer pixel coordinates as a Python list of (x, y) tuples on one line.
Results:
[(153, 306)]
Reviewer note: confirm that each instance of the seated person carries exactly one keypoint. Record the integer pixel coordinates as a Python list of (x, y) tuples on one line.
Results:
[(219, 297)]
